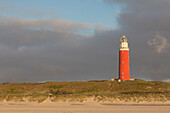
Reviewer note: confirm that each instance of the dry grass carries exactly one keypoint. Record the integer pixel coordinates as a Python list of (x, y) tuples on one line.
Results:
[(135, 91)]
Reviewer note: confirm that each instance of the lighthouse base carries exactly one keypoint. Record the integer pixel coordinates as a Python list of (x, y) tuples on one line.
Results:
[(113, 79)]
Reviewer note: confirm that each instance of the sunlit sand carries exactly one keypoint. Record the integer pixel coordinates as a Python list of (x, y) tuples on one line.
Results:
[(86, 107)]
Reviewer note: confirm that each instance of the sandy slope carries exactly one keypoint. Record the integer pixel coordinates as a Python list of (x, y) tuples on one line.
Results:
[(87, 107)]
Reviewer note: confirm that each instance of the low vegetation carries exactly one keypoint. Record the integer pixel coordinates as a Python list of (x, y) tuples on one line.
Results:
[(99, 91)]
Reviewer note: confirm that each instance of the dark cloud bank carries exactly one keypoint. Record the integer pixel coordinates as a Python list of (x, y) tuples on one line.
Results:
[(39, 50)]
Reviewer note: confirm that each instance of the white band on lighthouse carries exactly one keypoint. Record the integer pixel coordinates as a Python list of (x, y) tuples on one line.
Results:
[(124, 49), (124, 43)]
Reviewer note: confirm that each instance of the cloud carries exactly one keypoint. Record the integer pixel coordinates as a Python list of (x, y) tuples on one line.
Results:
[(24, 32), (143, 15), (38, 50), (45, 24), (159, 42)]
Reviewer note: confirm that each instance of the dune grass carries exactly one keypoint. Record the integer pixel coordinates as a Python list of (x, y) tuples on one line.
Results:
[(100, 91)]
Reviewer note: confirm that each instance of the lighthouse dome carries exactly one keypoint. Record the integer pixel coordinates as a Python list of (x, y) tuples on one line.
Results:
[(123, 39)]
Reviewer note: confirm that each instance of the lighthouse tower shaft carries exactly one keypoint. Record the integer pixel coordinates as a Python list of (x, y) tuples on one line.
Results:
[(124, 69)]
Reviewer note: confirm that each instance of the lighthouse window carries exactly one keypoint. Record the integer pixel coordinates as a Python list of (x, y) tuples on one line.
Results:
[(122, 73), (122, 76), (122, 62), (122, 51)]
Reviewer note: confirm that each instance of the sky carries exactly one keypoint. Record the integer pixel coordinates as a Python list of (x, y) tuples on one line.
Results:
[(91, 11), (72, 40)]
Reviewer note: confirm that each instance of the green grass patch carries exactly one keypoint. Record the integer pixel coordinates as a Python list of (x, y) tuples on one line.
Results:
[(55, 86)]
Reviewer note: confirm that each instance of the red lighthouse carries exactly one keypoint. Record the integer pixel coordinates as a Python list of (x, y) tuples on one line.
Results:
[(124, 70)]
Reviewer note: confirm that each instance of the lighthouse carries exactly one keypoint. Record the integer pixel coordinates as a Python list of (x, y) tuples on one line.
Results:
[(124, 69)]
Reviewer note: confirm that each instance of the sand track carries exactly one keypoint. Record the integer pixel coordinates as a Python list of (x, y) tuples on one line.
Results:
[(12, 107)]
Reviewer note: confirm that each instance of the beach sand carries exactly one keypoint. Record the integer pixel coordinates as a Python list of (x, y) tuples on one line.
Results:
[(86, 107)]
